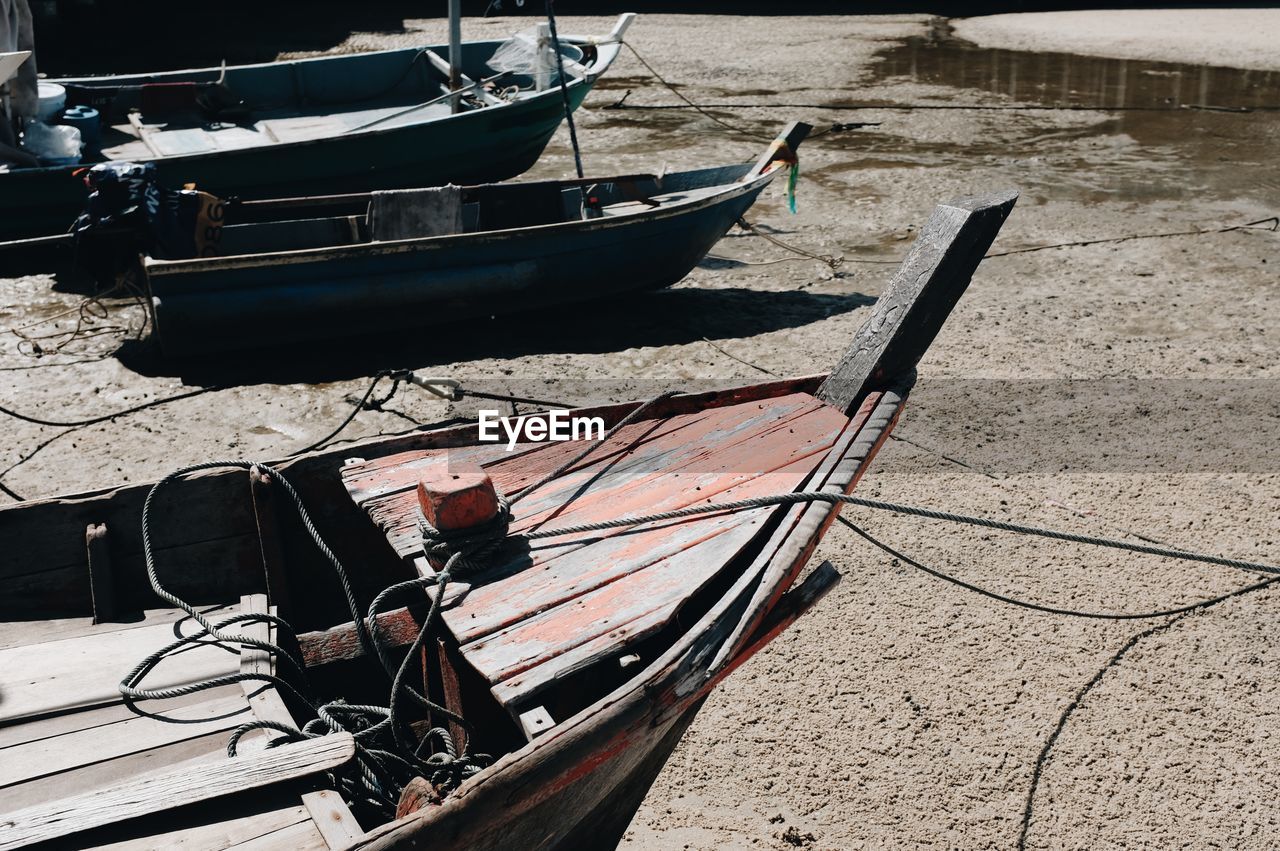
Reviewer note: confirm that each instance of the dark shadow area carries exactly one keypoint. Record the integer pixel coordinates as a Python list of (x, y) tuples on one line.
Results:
[(671, 317), (116, 36), (38, 256), (127, 36)]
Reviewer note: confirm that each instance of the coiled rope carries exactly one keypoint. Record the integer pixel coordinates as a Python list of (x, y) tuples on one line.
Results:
[(387, 756)]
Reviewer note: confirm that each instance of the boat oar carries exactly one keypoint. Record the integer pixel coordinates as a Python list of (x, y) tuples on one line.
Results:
[(428, 103)]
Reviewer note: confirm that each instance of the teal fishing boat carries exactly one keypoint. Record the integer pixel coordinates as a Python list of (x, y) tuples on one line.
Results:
[(389, 119), (321, 267)]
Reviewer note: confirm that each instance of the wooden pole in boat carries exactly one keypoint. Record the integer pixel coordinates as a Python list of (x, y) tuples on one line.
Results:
[(455, 53), (910, 312)]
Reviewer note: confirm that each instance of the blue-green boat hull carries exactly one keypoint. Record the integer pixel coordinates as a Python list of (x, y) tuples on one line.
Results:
[(477, 146), (395, 288)]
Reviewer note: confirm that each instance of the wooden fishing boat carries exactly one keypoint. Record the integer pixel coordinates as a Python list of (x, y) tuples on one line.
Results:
[(552, 630), (351, 123), (320, 268)]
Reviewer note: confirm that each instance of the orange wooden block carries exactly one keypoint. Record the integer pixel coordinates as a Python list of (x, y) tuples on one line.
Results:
[(454, 497)]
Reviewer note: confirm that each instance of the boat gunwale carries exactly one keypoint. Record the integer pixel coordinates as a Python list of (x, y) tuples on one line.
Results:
[(727, 192), (304, 60)]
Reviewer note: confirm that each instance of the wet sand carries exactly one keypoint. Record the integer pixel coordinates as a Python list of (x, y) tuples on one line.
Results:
[(903, 711), (1235, 38)]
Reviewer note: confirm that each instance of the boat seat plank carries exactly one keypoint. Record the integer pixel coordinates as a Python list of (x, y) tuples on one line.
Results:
[(53, 676), (148, 793), (210, 829), (188, 755), (83, 719), (263, 697), (14, 633), (107, 741), (303, 836), (332, 818)]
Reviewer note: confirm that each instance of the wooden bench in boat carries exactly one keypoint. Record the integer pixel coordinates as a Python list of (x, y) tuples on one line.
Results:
[(77, 760)]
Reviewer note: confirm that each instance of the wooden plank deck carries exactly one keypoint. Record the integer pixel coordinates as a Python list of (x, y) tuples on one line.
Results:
[(541, 613), (64, 765), (146, 793), (63, 674)]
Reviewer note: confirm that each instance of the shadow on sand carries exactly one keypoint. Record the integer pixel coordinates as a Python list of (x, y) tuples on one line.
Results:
[(669, 317)]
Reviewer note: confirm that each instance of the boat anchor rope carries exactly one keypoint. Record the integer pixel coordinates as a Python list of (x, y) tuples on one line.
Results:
[(388, 757)]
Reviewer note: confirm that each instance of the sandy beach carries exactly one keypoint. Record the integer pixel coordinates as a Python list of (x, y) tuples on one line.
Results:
[(1235, 38), (904, 712)]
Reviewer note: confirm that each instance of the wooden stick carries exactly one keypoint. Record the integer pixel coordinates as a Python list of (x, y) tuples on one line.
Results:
[(425, 103), (161, 790), (397, 627), (102, 582), (909, 314), (783, 148)]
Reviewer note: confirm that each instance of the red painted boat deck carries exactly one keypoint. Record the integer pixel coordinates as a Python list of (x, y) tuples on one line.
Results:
[(542, 613)]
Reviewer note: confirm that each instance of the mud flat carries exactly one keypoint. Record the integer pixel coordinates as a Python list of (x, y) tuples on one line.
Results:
[(904, 712), (1235, 38)]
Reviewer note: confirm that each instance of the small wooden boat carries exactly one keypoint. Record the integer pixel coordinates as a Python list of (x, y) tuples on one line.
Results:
[(332, 266), (352, 123), (544, 652)]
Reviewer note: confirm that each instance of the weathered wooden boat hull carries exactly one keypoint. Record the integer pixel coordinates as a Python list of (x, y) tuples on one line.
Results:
[(482, 145), (386, 288), (575, 783), (575, 788)]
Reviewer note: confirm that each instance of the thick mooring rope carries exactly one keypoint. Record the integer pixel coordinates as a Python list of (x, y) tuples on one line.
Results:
[(798, 497), (388, 753)]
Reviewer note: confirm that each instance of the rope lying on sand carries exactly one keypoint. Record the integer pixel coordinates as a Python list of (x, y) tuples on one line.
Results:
[(445, 388), (1052, 610), (389, 752), (102, 418)]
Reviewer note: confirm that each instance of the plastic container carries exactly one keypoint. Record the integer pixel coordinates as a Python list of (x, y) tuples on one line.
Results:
[(52, 99), (86, 120), (53, 145)]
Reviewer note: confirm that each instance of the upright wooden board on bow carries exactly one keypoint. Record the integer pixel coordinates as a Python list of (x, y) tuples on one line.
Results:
[(918, 300)]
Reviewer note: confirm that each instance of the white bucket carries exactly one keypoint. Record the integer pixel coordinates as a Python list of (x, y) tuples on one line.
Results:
[(52, 99)]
